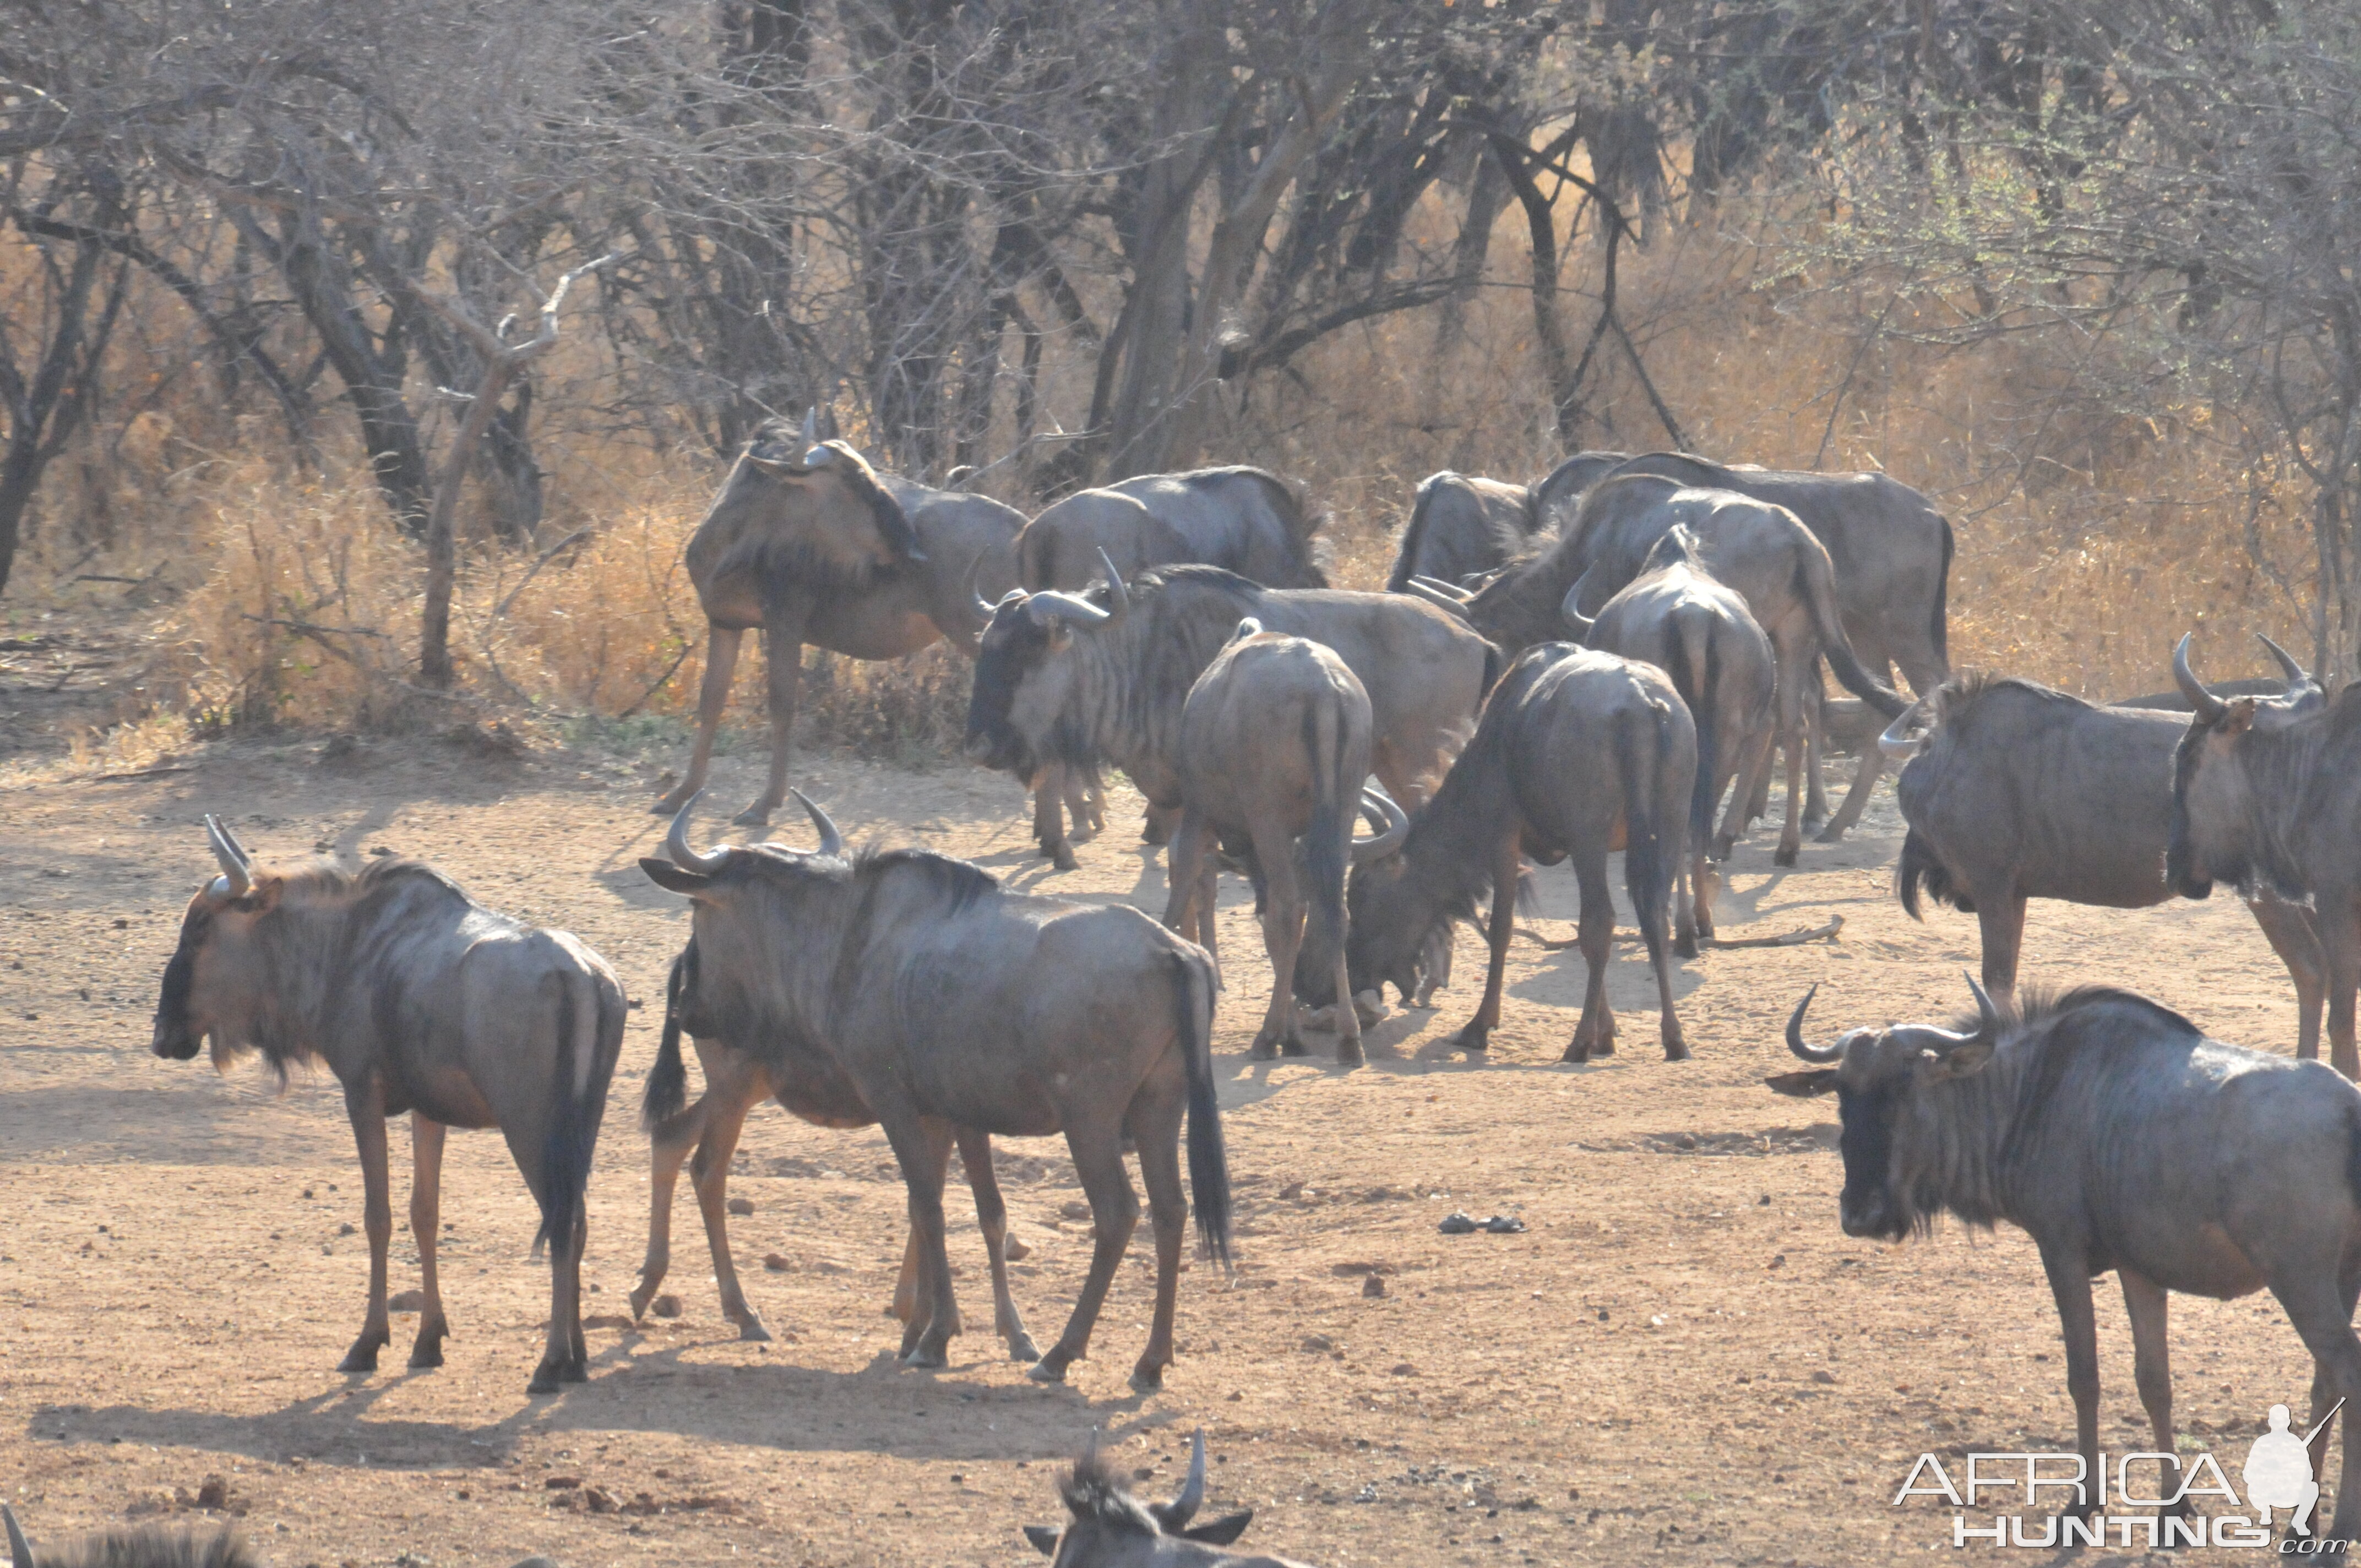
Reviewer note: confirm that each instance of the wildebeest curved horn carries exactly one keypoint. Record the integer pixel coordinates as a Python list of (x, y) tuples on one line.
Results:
[(1570, 606), (1118, 597), (2203, 703), (1396, 825), (1896, 741), (831, 842), (677, 844), (2296, 673), (1818, 1055), (20, 1550), (984, 607), (1432, 593), (1449, 591), (238, 871), (1047, 607), (1987, 1015), (1192, 1496)]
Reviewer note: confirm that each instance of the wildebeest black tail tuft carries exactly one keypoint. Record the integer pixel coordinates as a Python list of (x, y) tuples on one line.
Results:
[(1920, 870), (667, 1089), (1326, 850), (1642, 744), (583, 1068), (1209, 1160), (1940, 632)]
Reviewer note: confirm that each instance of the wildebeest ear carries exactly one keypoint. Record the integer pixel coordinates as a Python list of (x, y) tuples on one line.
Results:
[(1044, 1539), (1220, 1532), (2238, 720), (1960, 1060), (1804, 1085), (664, 874)]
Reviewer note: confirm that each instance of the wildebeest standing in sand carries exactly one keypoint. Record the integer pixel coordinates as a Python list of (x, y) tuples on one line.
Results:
[(419, 1000), (2266, 796), (150, 1546), (2012, 791), (1677, 617), (809, 544), (948, 1001), (2118, 1137), (1274, 750), (809, 1084), (1108, 1527), (1460, 525), (1578, 753)]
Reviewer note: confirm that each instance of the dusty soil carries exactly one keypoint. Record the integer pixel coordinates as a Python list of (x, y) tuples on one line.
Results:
[(1682, 1358)]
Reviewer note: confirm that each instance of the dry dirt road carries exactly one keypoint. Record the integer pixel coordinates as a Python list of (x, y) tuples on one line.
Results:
[(1681, 1359)]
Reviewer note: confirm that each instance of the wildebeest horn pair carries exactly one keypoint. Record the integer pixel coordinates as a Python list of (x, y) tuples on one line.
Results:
[(1987, 1027), (1899, 739), (2201, 701), (1379, 807), (238, 866), (1192, 1496), (709, 863), (1570, 606), (1052, 605)]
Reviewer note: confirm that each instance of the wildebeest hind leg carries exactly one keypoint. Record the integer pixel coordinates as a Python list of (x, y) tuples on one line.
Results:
[(2000, 920), (2319, 1306), (709, 1173), (1283, 938), (364, 1104), (1856, 800), (783, 660), (425, 1223), (2147, 1303), (720, 662), (2292, 937), (992, 1219), (669, 1146), (1097, 1149), (908, 1298), (1156, 1128), (922, 1147), (2340, 945), (1594, 1035)]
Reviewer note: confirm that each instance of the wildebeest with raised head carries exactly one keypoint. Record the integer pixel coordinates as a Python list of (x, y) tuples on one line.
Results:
[(419, 1000), (2118, 1137), (948, 1001), (2266, 796), (1275, 751), (1107, 1527), (2012, 791), (1074, 679), (1578, 754), (1461, 524), (810, 1084), (1244, 520), (148, 1546), (807, 543), (1677, 617)]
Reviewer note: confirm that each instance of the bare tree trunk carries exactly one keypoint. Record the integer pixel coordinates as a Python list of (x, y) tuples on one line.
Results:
[(45, 411)]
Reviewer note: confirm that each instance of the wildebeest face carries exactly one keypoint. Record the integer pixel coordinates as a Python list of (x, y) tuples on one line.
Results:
[(2211, 802), (1384, 940), (217, 984), (1023, 674)]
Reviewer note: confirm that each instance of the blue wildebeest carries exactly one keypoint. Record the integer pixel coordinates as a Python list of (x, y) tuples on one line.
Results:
[(1578, 754), (1107, 1527), (1243, 520), (1275, 751), (2012, 791), (2118, 1137), (150, 1546), (1677, 617), (419, 1000), (807, 543), (1556, 497), (1461, 525), (2266, 796), (807, 1083), (947, 1002)]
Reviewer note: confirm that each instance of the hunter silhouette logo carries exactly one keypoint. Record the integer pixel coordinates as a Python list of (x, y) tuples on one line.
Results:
[(2278, 1472)]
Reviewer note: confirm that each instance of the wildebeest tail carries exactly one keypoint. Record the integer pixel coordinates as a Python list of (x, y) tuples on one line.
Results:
[(584, 1024), (1692, 660), (1817, 585), (1920, 869), (1642, 753), (667, 1089), (1209, 1161), (1940, 631), (1334, 802)]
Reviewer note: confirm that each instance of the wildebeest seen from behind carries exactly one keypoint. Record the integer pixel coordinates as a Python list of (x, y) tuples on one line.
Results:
[(2118, 1137), (148, 1546), (1107, 1527), (1578, 754), (2012, 791), (948, 1001), (1274, 751), (807, 1083), (1460, 525), (2266, 796), (1676, 616), (807, 543), (419, 1000), (1243, 520)]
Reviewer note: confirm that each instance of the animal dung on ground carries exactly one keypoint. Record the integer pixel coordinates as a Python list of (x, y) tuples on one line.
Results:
[(607, 1321), (1373, 1286), (1459, 1222), (665, 1306), (1077, 1209), (775, 1263), (406, 1301), (742, 1205), (1318, 1344)]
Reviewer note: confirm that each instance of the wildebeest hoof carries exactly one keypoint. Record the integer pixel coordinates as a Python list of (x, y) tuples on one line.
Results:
[(1368, 1006), (1577, 1052), (1785, 856), (756, 816), (1263, 1050), (1022, 1348), (1686, 945), (1146, 1378), (362, 1357), (1044, 1371), (1676, 1050), (926, 1359), (544, 1379), (750, 1327), (1472, 1039), (1063, 858), (1293, 1045), (1350, 1053), (425, 1356)]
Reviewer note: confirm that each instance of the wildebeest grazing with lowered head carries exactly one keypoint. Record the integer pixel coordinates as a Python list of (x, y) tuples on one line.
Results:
[(948, 1001), (150, 1546), (1461, 524), (2118, 1137), (1108, 1527), (1274, 752), (2266, 796), (1578, 753), (807, 543), (2012, 791), (419, 1000)]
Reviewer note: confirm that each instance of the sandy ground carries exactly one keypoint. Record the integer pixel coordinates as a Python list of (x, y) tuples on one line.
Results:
[(1683, 1358)]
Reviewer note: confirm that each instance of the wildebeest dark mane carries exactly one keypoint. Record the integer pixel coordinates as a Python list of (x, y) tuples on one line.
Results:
[(1952, 700), (1133, 708), (1092, 1491), (150, 1546), (2036, 1005), (325, 879), (959, 882)]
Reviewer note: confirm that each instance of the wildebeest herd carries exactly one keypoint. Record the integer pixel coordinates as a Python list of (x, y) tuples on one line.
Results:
[(1587, 665)]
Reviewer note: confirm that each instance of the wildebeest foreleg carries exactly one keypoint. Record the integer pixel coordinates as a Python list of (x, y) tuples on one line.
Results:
[(2340, 947), (1791, 831), (364, 1104), (1754, 770), (782, 663), (2289, 931), (1115, 1214), (1475, 1034), (1856, 800), (425, 1225), (910, 1304), (922, 1148), (1155, 1127), (1594, 1034), (2146, 1301), (1816, 748), (2069, 1285), (2000, 920), (1050, 785), (713, 1124), (720, 662)]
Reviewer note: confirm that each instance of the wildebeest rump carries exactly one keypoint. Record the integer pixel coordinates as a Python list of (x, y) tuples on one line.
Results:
[(948, 1001), (2018, 792), (809, 544), (1244, 520), (1677, 617), (2118, 1137), (1108, 1527), (2266, 796), (1578, 753), (809, 1085), (150, 1546), (1459, 525), (419, 1000), (1074, 679)]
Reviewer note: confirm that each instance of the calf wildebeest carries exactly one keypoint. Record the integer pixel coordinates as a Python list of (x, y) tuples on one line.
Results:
[(2012, 791), (419, 1000), (947, 1002), (2266, 796), (1244, 520), (1071, 678), (150, 1546), (1274, 750), (2118, 1137), (1460, 525), (1677, 617), (809, 544), (1578, 753), (1108, 1527), (1554, 497), (809, 1085)]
